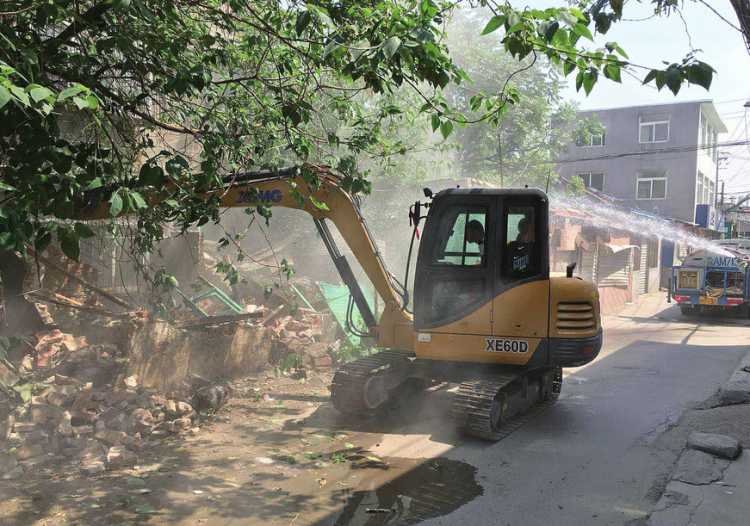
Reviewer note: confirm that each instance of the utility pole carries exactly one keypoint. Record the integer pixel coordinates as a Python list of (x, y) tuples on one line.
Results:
[(722, 194)]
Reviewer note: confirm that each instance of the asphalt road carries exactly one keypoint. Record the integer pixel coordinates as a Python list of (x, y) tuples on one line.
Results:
[(592, 457)]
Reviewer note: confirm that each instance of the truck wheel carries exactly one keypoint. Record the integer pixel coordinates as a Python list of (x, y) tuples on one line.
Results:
[(688, 310)]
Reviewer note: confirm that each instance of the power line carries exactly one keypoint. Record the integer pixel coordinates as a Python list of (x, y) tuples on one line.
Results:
[(673, 149)]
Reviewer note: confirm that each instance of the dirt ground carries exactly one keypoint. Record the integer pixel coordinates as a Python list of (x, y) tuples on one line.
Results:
[(277, 454)]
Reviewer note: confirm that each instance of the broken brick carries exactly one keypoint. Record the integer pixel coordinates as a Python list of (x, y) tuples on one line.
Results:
[(83, 400), (27, 452), (120, 456), (110, 437)]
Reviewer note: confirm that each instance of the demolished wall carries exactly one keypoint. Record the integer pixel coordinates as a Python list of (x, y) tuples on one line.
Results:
[(164, 356)]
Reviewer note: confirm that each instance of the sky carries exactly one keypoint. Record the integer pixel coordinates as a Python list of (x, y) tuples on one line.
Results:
[(648, 42)]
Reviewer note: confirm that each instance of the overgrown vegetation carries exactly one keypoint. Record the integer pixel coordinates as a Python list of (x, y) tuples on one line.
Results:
[(122, 102)]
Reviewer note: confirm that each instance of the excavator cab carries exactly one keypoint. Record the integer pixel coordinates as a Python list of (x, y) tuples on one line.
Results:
[(477, 245)]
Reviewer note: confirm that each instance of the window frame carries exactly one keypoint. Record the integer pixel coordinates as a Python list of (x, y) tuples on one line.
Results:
[(464, 255), (602, 137), (653, 124), (589, 174), (651, 180)]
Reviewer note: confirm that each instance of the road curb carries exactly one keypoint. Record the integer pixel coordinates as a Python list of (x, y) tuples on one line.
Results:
[(737, 388)]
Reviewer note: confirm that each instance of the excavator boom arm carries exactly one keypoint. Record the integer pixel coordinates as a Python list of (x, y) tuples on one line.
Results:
[(327, 201)]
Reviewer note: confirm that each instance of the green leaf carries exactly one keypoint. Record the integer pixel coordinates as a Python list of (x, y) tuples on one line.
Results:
[(64, 210), (4, 96), (673, 79), (70, 247), (391, 47), (20, 94), (69, 92), (143, 510), (567, 18), (42, 242), (373, 459), (651, 76), (581, 29), (40, 93), (92, 101), (303, 20), (115, 205), (81, 103), (493, 24), (701, 74), (137, 200), (446, 128), (551, 30), (83, 231), (589, 79), (120, 4)]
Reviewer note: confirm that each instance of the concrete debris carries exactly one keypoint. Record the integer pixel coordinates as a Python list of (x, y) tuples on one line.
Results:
[(131, 382), (722, 446), (697, 467)]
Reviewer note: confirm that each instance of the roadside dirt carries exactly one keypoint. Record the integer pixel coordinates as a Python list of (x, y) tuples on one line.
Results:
[(277, 454)]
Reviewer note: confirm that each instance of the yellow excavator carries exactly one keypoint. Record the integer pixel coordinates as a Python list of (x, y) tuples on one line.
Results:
[(486, 312)]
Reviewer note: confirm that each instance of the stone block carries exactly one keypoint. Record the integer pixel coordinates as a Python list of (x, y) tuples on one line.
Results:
[(120, 456), (26, 452), (131, 381), (110, 436), (41, 412), (116, 396), (14, 474), (38, 436), (24, 427), (722, 446), (64, 424), (59, 394), (7, 376)]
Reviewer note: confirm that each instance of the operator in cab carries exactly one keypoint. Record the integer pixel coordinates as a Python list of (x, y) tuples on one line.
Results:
[(475, 235)]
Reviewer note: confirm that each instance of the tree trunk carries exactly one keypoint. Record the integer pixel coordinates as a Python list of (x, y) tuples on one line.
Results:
[(742, 8)]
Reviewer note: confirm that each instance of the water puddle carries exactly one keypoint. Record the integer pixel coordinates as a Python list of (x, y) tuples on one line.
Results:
[(421, 491)]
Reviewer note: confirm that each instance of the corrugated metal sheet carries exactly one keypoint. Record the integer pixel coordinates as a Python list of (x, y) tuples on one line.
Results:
[(614, 268), (643, 274), (588, 262)]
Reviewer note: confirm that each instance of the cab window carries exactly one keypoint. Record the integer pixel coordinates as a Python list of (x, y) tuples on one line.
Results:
[(522, 253), (461, 238)]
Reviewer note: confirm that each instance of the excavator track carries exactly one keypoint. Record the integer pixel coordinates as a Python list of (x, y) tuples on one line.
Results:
[(493, 407), (368, 386)]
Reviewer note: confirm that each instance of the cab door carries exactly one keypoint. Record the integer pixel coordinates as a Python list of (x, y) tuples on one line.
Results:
[(521, 294), (456, 266)]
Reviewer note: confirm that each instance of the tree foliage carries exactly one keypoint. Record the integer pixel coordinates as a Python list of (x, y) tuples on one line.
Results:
[(134, 99)]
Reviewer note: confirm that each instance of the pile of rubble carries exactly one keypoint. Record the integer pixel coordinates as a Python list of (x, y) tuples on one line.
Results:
[(65, 418), (301, 336)]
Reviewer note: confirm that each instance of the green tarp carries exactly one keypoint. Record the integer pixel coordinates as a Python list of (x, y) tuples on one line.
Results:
[(337, 298)]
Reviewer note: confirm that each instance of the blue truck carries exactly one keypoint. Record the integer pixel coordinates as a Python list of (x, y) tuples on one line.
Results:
[(715, 279)]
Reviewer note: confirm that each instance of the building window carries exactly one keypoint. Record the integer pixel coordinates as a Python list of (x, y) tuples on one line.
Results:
[(599, 139), (654, 128), (593, 180), (712, 193), (652, 184), (699, 189)]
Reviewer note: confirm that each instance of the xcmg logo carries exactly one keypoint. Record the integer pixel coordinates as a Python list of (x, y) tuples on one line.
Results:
[(267, 196)]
